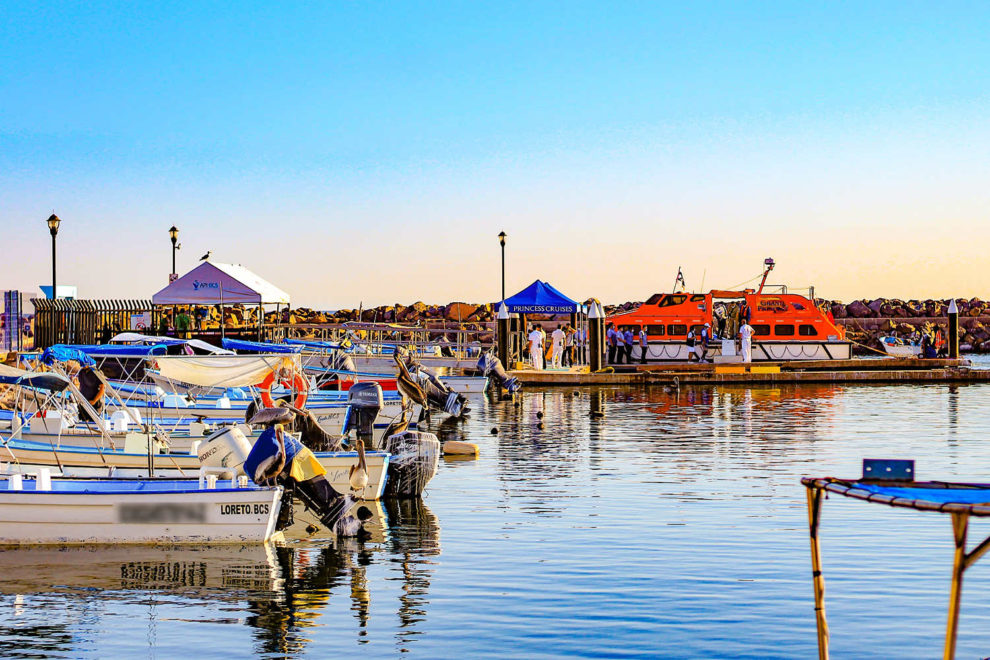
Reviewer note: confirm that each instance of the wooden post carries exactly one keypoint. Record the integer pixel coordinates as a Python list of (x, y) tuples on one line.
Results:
[(503, 336), (595, 338), (960, 525), (953, 330), (817, 579)]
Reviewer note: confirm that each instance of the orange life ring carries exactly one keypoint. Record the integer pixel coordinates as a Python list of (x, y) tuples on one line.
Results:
[(297, 382)]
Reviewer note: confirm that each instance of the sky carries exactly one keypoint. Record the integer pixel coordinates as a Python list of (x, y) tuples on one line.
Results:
[(369, 153)]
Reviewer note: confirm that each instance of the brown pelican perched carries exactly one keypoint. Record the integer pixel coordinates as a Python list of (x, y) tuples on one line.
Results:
[(358, 476), (408, 385), (270, 469)]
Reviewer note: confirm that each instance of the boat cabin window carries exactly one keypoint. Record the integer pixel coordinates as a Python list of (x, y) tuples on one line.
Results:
[(698, 298), (761, 329), (698, 327), (783, 330), (654, 299), (677, 329), (670, 301), (655, 330), (806, 330)]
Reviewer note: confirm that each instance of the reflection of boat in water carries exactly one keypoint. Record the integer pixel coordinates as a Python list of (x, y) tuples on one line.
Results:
[(151, 568), (787, 326)]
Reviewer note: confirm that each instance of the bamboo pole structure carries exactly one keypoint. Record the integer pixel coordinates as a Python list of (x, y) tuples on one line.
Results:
[(818, 580), (960, 526)]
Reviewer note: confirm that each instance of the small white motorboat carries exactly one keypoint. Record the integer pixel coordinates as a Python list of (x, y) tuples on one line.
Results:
[(46, 510), (897, 347)]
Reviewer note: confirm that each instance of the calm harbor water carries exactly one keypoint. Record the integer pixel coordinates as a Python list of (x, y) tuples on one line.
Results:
[(674, 526)]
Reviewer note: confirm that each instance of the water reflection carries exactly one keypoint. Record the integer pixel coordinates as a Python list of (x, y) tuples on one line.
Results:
[(281, 591)]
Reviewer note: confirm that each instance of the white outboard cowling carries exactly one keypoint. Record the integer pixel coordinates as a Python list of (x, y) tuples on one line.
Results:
[(226, 448), (413, 462)]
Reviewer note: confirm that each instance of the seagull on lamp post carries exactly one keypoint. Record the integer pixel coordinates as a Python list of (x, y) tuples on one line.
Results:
[(206, 256)]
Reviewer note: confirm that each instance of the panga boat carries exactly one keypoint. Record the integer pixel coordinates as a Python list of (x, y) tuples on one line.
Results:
[(46, 510), (897, 347), (787, 326)]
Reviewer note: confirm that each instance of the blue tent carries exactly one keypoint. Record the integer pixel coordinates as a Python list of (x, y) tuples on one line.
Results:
[(540, 298)]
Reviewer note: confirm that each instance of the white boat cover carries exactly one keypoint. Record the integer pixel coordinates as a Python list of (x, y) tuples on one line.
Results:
[(212, 283), (138, 338), (224, 370)]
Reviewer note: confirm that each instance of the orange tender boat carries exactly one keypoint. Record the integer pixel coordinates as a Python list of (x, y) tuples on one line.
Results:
[(786, 326)]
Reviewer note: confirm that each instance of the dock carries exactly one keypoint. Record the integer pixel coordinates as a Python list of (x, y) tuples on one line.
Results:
[(904, 370)]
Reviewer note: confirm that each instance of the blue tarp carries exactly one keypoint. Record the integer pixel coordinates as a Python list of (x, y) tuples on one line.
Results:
[(937, 495), (62, 353), (259, 346), (117, 350), (540, 298), (314, 344)]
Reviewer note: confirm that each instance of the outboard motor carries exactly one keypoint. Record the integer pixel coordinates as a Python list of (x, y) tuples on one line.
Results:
[(366, 401), (413, 462), (277, 457), (491, 366)]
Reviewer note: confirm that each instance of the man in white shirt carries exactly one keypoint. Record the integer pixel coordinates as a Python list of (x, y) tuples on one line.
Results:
[(557, 337), (746, 335), (536, 348)]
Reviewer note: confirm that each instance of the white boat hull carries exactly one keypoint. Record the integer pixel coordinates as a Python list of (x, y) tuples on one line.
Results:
[(24, 458), (768, 351), (218, 516)]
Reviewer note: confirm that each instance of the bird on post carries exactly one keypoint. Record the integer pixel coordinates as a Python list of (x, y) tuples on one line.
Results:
[(206, 256)]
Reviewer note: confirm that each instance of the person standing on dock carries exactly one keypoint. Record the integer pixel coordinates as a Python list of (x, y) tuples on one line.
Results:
[(627, 337), (620, 345), (643, 345), (569, 333), (701, 343), (746, 336), (557, 337), (536, 348), (610, 340)]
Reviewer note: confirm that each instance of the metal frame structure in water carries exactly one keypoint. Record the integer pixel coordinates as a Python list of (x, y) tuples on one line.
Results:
[(960, 512)]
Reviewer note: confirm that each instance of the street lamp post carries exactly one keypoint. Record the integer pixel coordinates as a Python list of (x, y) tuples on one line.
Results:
[(501, 241), (173, 233), (53, 222)]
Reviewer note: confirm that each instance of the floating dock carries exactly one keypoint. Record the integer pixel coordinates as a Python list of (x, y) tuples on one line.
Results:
[(905, 370)]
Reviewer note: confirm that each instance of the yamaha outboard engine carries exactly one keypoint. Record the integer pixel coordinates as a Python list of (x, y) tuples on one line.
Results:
[(366, 401), (491, 366)]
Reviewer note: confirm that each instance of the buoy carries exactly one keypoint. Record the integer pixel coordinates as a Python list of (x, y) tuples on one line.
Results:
[(458, 447), (576, 393), (539, 414), (494, 430), (540, 426)]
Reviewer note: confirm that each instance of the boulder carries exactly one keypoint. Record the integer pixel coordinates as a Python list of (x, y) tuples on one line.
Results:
[(838, 311), (458, 311), (858, 310), (876, 305)]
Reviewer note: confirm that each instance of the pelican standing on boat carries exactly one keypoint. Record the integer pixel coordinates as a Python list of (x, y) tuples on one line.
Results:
[(408, 386)]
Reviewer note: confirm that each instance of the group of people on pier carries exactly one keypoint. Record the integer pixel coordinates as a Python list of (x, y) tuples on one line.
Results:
[(561, 351)]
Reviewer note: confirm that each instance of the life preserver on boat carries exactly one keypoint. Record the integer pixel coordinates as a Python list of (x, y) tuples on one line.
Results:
[(297, 383)]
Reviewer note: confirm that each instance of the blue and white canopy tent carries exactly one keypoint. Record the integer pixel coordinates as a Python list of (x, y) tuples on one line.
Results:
[(891, 482), (540, 298)]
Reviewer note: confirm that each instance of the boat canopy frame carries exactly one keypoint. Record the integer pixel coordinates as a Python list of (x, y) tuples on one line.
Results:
[(943, 497)]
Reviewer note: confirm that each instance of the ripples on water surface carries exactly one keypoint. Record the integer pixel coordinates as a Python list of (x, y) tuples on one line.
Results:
[(675, 526)]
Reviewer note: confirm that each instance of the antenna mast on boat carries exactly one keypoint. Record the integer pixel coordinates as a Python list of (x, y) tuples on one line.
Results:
[(768, 262)]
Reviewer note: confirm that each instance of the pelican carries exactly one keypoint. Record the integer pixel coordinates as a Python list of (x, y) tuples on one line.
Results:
[(358, 475), (408, 385)]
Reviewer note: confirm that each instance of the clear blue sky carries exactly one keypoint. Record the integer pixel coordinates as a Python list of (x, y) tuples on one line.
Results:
[(370, 152)]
